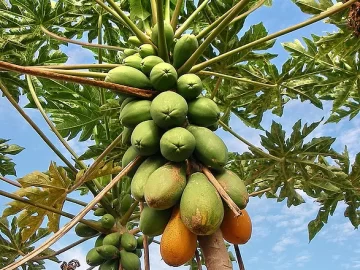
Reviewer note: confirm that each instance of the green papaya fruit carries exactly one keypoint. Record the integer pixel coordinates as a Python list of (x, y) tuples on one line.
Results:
[(135, 112), (214, 127), (128, 52), (163, 77), (203, 112), (138, 252), (177, 144), (134, 41), (164, 186), (133, 61), (93, 258), (112, 239), (142, 174), (210, 149), (169, 34), (153, 221), (189, 86), (126, 102), (83, 230), (140, 241), (110, 265), (99, 212), (125, 203), (168, 109), (108, 252), (99, 241), (107, 221), (130, 154), (184, 48), (234, 187), (147, 50), (115, 203), (128, 76), (129, 260), (128, 241), (126, 135), (149, 62), (201, 208), (146, 138)]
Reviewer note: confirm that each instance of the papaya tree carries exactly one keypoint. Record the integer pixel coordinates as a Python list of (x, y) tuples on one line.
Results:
[(168, 76)]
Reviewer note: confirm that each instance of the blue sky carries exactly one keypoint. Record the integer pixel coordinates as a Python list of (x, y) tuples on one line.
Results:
[(280, 239)]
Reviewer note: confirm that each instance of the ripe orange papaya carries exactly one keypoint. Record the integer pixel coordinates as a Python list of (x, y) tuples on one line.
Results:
[(236, 230)]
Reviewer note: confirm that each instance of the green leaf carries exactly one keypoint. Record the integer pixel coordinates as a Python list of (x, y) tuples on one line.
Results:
[(7, 167)]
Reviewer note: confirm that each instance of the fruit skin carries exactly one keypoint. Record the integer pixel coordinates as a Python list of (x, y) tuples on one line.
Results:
[(146, 50), (203, 112), (125, 203), (128, 52), (83, 230), (134, 41), (99, 212), (129, 156), (164, 186), (169, 34), (201, 207), (112, 239), (178, 243), (140, 243), (214, 127), (107, 221), (133, 61), (128, 76), (128, 241), (234, 187), (163, 77), (168, 110), (129, 260), (108, 252), (110, 265), (135, 112), (93, 258), (153, 222), (177, 144), (126, 135), (138, 252), (189, 86), (236, 230), (142, 174), (146, 138), (183, 49), (149, 62), (126, 102), (210, 149), (99, 241)]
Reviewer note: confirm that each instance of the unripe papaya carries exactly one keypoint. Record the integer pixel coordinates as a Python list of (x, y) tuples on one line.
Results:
[(201, 207), (163, 77), (152, 221), (140, 241), (149, 62), (128, 241), (126, 102), (129, 260), (142, 174), (99, 212), (135, 112), (236, 230), (210, 149), (234, 187), (84, 230), (128, 52), (147, 50), (168, 110), (112, 239), (214, 127), (93, 258), (99, 241), (126, 135), (125, 203), (178, 243), (128, 76), (184, 48), (146, 138), (138, 252), (169, 34), (164, 186), (134, 41), (203, 112), (110, 265), (189, 86), (130, 154), (107, 221), (177, 144), (133, 61), (108, 252)]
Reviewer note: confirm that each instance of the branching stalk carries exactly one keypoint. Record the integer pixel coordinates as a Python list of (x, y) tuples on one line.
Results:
[(239, 258), (198, 260), (89, 74), (163, 50), (167, 11), (112, 12), (176, 14), (153, 11), (128, 213), (216, 88), (79, 66), (146, 246)]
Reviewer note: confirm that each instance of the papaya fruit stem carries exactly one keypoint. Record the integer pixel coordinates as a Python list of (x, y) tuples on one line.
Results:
[(112, 12), (163, 50), (125, 218), (167, 11), (175, 16), (153, 11), (239, 258), (146, 246)]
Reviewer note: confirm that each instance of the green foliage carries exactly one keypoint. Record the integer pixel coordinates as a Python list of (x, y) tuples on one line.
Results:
[(7, 166)]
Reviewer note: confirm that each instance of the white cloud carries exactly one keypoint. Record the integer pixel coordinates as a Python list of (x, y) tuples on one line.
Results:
[(281, 245), (338, 233)]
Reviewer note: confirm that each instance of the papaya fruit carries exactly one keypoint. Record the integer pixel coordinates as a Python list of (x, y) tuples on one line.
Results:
[(125, 204), (93, 258), (129, 260), (108, 252), (133, 40), (84, 230), (184, 48), (177, 144), (214, 127), (168, 109), (164, 186), (128, 76), (146, 50), (140, 241), (203, 112), (107, 221), (210, 149), (99, 212), (133, 61), (99, 241), (234, 187), (236, 230), (126, 135), (126, 101), (149, 62), (169, 34), (201, 207), (189, 86), (130, 154), (110, 265), (138, 252), (153, 222), (128, 241), (128, 52), (178, 243), (135, 112), (112, 239), (146, 138), (142, 174), (163, 76)]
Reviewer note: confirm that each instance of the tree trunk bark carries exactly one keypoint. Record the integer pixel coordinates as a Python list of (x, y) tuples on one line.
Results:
[(214, 251)]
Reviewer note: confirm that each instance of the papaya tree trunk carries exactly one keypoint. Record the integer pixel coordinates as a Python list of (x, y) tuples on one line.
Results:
[(214, 251)]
